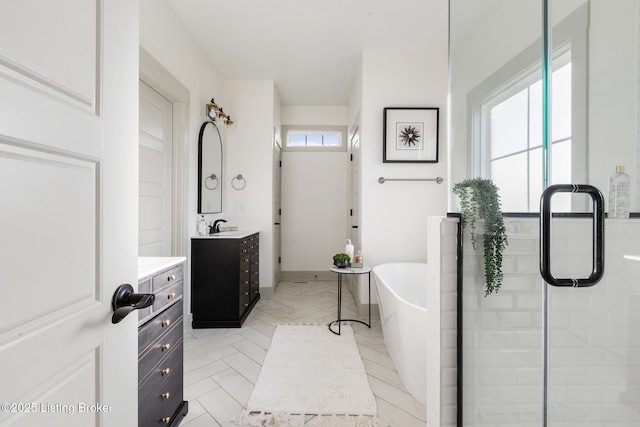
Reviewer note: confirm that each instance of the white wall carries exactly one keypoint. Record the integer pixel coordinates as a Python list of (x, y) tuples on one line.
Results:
[(314, 116), (167, 40), (393, 223), (248, 150), (394, 214), (442, 323)]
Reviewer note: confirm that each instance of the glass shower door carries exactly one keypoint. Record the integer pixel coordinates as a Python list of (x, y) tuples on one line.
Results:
[(593, 353), (496, 118), (534, 354), (592, 357)]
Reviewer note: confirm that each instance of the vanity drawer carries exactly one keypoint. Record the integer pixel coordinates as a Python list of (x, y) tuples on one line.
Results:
[(158, 406), (167, 278), (160, 348), (151, 330), (168, 295), (167, 371)]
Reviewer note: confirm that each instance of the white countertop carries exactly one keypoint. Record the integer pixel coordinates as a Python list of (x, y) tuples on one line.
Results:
[(227, 235), (150, 265)]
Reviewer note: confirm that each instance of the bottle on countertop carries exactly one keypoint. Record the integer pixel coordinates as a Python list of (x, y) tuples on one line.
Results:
[(348, 249), (358, 261), (619, 193), (202, 228)]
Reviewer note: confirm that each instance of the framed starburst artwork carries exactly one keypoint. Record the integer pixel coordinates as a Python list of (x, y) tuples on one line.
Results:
[(410, 135)]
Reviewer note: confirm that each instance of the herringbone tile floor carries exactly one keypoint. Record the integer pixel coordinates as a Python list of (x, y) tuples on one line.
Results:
[(222, 365)]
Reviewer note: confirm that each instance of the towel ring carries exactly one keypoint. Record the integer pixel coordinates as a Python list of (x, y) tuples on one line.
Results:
[(238, 178), (212, 177)]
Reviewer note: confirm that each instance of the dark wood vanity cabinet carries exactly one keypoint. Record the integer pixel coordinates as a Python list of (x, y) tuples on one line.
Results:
[(160, 352), (225, 280)]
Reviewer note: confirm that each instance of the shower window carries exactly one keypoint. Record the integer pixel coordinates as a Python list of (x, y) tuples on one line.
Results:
[(512, 142)]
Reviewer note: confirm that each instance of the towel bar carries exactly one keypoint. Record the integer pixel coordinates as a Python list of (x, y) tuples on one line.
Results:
[(382, 180)]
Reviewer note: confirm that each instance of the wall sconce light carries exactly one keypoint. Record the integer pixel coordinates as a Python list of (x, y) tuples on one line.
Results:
[(214, 112)]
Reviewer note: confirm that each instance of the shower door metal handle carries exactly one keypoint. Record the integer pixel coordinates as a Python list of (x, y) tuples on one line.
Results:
[(598, 235)]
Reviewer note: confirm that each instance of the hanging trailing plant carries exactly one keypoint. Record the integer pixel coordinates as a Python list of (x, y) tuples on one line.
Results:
[(479, 199)]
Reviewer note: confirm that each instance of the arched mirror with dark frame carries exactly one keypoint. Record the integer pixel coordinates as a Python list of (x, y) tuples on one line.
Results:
[(209, 169)]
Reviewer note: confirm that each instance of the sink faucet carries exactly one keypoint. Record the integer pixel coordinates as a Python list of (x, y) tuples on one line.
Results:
[(216, 225)]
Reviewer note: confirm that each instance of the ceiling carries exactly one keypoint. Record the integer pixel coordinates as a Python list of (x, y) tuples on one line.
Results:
[(311, 49)]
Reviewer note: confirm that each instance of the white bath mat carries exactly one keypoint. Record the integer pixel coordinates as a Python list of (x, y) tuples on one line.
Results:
[(309, 370)]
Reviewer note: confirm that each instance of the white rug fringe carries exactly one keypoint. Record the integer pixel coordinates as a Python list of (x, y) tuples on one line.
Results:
[(262, 419)]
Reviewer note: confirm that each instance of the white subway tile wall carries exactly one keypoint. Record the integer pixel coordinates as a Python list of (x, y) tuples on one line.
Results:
[(595, 332), (442, 325)]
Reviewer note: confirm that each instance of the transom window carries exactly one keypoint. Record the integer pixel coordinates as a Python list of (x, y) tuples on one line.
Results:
[(314, 139)]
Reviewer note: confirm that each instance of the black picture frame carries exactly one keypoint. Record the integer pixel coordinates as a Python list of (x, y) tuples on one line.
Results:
[(411, 135)]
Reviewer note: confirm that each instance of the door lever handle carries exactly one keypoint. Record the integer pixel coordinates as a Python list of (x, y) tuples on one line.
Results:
[(124, 301)]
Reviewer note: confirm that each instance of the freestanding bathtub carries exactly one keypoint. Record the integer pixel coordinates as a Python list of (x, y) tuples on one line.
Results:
[(402, 295)]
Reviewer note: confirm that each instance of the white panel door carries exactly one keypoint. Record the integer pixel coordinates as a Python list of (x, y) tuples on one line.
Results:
[(156, 157), (68, 184)]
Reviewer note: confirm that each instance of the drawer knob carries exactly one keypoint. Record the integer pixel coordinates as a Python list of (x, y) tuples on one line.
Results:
[(246, 305), (246, 282), (166, 322), (166, 420), (255, 292), (165, 347), (246, 293), (166, 395), (246, 271), (171, 295), (171, 277), (166, 371)]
